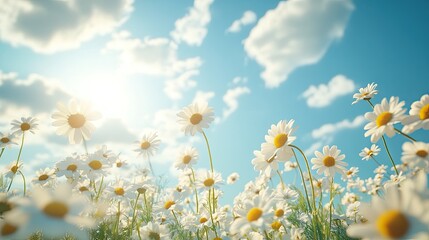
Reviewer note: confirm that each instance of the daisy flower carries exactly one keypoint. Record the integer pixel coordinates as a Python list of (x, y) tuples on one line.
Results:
[(74, 120), (26, 124), (207, 180), (367, 153), (187, 158), (265, 164), (415, 154), (289, 166), (382, 119), (57, 212), (44, 176), (6, 140), (69, 167), (120, 190), (419, 115), (154, 231), (12, 169), (400, 215), (232, 178), (148, 145), (255, 213), (365, 93), (12, 225), (195, 117), (278, 140), (329, 162), (95, 165)]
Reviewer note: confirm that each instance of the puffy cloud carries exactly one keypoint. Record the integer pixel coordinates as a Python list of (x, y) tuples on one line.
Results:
[(201, 96), (50, 25), (192, 28), (238, 80), (248, 17), (324, 94), (174, 88), (325, 133), (114, 130), (231, 100), (294, 34)]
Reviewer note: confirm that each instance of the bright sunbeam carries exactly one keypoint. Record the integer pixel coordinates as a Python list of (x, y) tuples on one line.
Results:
[(106, 94)]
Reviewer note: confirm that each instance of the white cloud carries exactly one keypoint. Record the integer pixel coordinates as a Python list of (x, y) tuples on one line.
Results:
[(192, 28), (294, 34), (324, 94), (231, 100), (50, 25), (201, 96), (156, 57), (238, 80), (248, 18)]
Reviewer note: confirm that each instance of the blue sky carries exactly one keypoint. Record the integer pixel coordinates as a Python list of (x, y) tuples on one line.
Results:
[(139, 67)]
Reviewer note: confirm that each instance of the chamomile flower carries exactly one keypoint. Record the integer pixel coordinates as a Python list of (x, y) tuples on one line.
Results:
[(57, 212), (415, 154), (382, 119), (278, 139), (207, 180), (289, 166), (13, 225), (95, 165), (329, 161), (400, 215), (26, 124), (232, 178), (195, 117), (254, 213), (148, 144), (7, 140), (419, 115), (75, 121), (154, 231), (12, 169), (367, 153), (70, 167), (365, 93), (265, 164), (44, 176), (121, 190), (187, 158)]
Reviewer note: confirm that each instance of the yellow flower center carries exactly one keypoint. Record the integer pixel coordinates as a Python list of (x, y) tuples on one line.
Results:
[(56, 209), (168, 204), (383, 118), (76, 120), (83, 189), (280, 140), (119, 191), (370, 153), (254, 214), (141, 190), (14, 169), (329, 161), (203, 220), (276, 225), (392, 224), (154, 236), (209, 182), (422, 153), (119, 164), (25, 127), (145, 145), (95, 164), (279, 213), (196, 118), (4, 140), (43, 177), (186, 159), (8, 229), (72, 167), (424, 112), (217, 238)]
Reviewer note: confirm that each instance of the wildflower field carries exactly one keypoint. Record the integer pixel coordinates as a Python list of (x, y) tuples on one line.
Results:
[(214, 120)]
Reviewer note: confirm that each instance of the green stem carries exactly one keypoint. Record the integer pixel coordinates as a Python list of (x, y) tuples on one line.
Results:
[(134, 214), (375, 161), (23, 179), (303, 181), (390, 156), (85, 146), (405, 135), (17, 160), (99, 188), (211, 214), (1, 153), (281, 179), (196, 192), (330, 207), (208, 148), (175, 217)]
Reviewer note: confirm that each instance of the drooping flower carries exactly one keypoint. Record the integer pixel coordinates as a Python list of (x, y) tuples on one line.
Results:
[(195, 117), (6, 140), (419, 115), (24, 125), (382, 119), (75, 121), (329, 161), (365, 93)]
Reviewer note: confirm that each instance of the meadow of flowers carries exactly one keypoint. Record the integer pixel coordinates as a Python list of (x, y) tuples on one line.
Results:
[(82, 198)]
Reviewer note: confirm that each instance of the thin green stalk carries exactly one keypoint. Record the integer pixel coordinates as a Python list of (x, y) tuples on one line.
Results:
[(330, 206), (196, 192), (208, 148), (134, 214), (303, 181), (211, 214), (99, 188), (175, 217), (118, 218), (23, 179), (390, 156), (405, 135), (17, 160), (375, 160), (1, 153), (145, 203), (85, 146), (281, 179)]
